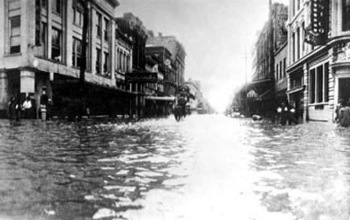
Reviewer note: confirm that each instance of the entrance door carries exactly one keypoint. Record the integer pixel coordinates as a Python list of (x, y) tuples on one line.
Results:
[(344, 89)]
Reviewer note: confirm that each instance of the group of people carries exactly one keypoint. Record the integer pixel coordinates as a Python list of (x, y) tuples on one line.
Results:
[(17, 110), (27, 109), (287, 114), (342, 113)]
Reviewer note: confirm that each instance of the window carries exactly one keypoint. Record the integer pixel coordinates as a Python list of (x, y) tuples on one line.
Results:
[(98, 24), (106, 63), (98, 61), (43, 38), (293, 47), (284, 66), (56, 44), (319, 85), (281, 67), (312, 86), (77, 51), (346, 15), (277, 71), (44, 3), (106, 29), (298, 44), (78, 17), (298, 5), (15, 34), (56, 6)]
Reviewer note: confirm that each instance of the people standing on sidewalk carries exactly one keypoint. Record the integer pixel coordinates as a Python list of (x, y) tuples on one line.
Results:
[(27, 108), (344, 115)]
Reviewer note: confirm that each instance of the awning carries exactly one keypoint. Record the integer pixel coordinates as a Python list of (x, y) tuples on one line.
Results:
[(160, 98)]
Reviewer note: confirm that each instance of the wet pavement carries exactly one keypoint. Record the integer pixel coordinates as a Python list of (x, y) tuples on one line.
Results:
[(204, 167)]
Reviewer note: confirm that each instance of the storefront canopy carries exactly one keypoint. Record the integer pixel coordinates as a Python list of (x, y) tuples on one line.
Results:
[(160, 98)]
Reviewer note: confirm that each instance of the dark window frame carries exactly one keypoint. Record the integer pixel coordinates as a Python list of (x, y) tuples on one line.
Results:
[(15, 22)]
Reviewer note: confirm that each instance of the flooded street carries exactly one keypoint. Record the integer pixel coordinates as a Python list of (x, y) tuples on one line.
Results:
[(204, 167)]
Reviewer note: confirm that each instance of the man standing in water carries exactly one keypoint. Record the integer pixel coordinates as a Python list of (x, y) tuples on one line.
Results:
[(344, 115)]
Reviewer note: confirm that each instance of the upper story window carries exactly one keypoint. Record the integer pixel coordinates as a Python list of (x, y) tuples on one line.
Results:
[(346, 15), (15, 34), (56, 44), (78, 17), (98, 24), (44, 3), (77, 51), (57, 6), (106, 24)]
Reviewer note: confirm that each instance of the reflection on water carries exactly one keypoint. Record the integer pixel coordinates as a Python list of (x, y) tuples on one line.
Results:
[(205, 167)]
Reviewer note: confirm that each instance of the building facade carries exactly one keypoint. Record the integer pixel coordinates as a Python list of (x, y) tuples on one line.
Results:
[(318, 72), (260, 93), (176, 63), (41, 49)]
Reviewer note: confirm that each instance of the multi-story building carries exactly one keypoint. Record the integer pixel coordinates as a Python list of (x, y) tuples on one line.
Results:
[(162, 98), (41, 48), (137, 77), (260, 92), (319, 61), (176, 62)]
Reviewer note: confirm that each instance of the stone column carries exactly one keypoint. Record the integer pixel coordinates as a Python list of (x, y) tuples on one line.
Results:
[(4, 95), (27, 82)]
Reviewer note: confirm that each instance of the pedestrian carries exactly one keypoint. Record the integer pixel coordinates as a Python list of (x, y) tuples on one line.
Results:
[(44, 100), (339, 105), (283, 112), (27, 107), (344, 115), (12, 108), (18, 107), (292, 114)]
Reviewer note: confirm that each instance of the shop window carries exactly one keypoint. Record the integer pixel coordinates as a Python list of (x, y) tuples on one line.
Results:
[(15, 34), (56, 44), (106, 64), (77, 52), (346, 15), (98, 61), (312, 86), (319, 84)]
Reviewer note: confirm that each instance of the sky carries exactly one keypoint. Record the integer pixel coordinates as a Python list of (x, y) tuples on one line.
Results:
[(218, 36)]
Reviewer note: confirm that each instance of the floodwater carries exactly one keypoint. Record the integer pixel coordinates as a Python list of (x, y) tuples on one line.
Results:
[(203, 167)]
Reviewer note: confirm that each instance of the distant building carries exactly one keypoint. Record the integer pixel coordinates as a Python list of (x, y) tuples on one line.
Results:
[(177, 59), (137, 77), (260, 93)]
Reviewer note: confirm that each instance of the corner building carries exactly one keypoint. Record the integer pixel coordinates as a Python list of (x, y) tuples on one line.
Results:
[(318, 73), (41, 47)]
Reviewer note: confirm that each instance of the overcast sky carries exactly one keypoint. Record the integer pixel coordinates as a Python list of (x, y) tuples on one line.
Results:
[(217, 36)]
